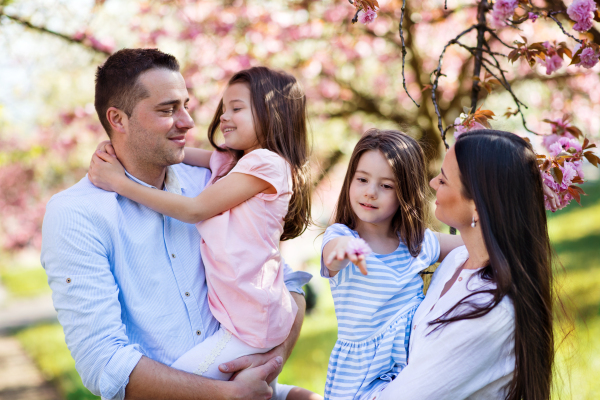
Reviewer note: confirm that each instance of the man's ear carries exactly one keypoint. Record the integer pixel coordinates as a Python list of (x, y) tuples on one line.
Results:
[(118, 120)]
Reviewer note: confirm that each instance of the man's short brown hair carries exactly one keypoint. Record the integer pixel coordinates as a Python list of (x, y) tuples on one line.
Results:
[(117, 80)]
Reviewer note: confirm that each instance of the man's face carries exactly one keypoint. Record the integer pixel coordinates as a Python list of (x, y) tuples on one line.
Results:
[(158, 123)]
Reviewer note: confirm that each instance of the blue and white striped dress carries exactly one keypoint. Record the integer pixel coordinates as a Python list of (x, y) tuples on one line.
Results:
[(374, 314)]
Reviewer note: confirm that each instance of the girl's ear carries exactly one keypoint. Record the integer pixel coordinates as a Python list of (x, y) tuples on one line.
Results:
[(118, 120)]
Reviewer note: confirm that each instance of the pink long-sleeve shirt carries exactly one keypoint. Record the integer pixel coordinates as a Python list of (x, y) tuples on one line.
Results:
[(240, 250)]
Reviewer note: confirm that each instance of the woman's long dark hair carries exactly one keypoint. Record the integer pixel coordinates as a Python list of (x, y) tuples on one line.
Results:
[(407, 161), (279, 110), (499, 173)]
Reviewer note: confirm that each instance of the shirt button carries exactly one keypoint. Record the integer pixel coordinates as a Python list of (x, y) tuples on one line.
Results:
[(187, 294), (414, 327), (198, 332), (173, 255), (460, 278), (68, 280)]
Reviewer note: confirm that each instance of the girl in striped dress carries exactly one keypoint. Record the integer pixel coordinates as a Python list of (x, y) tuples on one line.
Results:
[(376, 293)]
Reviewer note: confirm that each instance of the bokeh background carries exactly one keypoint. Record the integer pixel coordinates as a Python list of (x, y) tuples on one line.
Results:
[(49, 50)]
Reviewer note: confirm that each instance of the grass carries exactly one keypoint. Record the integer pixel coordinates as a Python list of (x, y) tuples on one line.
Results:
[(575, 235), (24, 282)]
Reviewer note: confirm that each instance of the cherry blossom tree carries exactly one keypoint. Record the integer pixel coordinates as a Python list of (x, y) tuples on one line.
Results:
[(419, 66)]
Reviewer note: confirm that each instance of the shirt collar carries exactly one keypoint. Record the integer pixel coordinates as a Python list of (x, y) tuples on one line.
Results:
[(172, 182)]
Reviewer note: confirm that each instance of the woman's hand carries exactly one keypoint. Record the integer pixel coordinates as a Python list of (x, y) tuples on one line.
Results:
[(340, 253), (106, 171)]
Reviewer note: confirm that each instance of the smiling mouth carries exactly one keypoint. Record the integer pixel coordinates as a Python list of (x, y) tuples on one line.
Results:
[(178, 139), (227, 130), (369, 206)]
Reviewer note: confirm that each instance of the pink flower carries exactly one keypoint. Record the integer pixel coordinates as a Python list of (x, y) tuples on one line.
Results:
[(552, 63), (589, 58), (461, 126), (582, 12), (503, 9), (564, 144), (358, 247), (569, 172), (533, 17), (366, 16)]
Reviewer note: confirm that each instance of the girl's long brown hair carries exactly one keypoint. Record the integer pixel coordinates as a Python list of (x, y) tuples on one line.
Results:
[(279, 110), (499, 173), (408, 164)]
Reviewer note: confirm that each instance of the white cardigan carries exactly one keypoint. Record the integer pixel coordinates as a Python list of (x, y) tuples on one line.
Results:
[(467, 359)]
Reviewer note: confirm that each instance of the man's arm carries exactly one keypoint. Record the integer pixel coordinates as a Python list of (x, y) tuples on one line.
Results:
[(153, 380)]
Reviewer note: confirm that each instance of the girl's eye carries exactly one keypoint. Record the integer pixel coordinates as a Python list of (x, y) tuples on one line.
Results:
[(387, 187), (236, 109), (363, 180)]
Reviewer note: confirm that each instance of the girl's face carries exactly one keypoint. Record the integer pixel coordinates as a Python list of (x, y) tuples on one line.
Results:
[(373, 189), (237, 121), (452, 208)]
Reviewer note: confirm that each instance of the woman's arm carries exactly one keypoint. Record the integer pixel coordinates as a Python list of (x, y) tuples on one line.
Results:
[(448, 243), (197, 157), (336, 257), (107, 173), (458, 360)]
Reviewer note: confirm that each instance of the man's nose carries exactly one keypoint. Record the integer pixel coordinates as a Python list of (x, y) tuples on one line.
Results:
[(185, 120)]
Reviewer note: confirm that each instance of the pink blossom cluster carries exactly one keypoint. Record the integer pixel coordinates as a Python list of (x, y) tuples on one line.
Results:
[(359, 247), (461, 125), (564, 144), (570, 170), (503, 9), (533, 17), (106, 46), (589, 58), (366, 16), (582, 12), (553, 61)]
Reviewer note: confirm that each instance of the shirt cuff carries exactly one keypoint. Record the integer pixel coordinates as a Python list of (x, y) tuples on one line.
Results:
[(116, 372), (295, 280)]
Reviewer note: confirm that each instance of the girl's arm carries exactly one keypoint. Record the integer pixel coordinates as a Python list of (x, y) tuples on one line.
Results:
[(197, 157), (336, 256), (448, 243), (107, 173)]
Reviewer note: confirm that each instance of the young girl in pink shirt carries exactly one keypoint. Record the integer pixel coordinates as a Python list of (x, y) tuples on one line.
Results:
[(259, 194)]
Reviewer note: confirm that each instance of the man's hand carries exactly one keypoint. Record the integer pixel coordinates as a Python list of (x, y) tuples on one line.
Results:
[(283, 350), (253, 383)]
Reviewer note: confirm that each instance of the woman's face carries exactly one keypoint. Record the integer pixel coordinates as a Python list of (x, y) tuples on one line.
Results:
[(452, 208)]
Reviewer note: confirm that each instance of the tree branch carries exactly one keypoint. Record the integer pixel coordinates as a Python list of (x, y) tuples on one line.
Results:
[(43, 29)]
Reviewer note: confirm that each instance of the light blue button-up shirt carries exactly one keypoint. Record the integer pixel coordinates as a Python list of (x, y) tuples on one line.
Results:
[(127, 281)]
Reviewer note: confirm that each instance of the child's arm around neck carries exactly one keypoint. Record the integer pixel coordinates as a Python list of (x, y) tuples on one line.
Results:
[(197, 157), (107, 173)]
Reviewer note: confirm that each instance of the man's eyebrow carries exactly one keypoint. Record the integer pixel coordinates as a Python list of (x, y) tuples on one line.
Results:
[(171, 102)]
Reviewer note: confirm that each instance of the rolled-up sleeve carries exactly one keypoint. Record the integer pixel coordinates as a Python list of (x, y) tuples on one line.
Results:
[(294, 280), (86, 297)]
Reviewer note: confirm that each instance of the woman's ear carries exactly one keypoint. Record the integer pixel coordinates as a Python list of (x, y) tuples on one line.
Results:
[(118, 120)]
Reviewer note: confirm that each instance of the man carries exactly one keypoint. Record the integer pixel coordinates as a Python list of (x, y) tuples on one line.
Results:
[(128, 283)]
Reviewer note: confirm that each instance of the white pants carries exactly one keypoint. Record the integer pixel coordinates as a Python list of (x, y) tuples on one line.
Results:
[(204, 359)]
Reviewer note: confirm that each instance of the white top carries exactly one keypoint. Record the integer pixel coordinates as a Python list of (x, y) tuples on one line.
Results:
[(467, 359)]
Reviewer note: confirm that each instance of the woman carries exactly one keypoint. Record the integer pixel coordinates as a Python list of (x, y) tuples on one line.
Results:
[(484, 330)]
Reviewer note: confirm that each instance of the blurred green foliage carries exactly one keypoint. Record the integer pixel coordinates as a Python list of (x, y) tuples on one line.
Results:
[(25, 282)]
